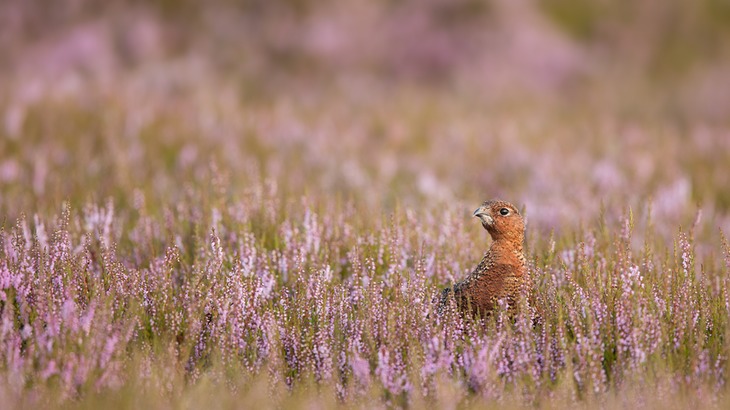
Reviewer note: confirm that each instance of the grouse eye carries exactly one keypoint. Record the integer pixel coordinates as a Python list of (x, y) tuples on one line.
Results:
[(504, 211)]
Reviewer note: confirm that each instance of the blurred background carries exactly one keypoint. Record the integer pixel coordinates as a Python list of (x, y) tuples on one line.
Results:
[(564, 106), (502, 49)]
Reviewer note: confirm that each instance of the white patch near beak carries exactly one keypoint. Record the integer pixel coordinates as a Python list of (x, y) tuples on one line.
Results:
[(486, 219), (484, 216)]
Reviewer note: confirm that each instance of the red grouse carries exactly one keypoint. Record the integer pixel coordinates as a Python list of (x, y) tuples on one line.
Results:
[(502, 272)]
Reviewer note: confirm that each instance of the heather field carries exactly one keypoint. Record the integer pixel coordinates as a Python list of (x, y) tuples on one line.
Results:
[(257, 204)]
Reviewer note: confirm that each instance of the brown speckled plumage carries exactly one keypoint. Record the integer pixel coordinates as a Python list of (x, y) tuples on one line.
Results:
[(502, 272)]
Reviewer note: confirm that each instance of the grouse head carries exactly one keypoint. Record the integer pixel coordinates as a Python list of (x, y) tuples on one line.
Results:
[(502, 220)]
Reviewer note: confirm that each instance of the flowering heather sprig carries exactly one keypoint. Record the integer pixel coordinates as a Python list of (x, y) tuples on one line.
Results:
[(687, 254), (391, 372)]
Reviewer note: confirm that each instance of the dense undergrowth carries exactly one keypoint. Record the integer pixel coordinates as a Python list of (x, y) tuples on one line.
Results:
[(245, 295)]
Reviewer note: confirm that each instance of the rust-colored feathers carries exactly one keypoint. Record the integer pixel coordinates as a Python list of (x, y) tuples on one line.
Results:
[(502, 272)]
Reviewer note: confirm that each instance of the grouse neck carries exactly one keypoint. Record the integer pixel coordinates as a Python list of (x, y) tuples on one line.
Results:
[(505, 243)]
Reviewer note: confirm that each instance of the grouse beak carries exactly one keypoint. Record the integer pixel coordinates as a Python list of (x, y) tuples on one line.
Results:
[(483, 214)]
